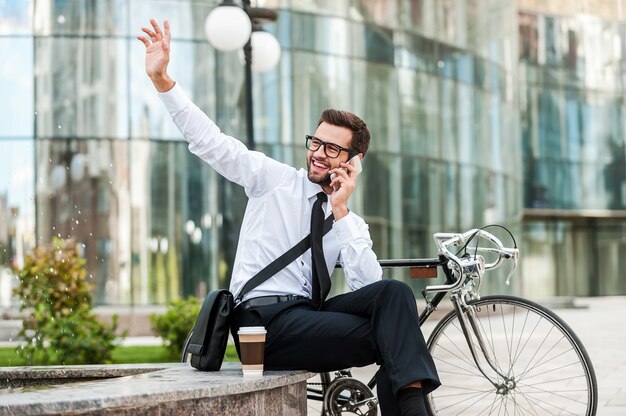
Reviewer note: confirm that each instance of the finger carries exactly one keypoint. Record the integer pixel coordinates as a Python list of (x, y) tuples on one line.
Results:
[(347, 166), (144, 40), (168, 34), (149, 33), (157, 29), (340, 172)]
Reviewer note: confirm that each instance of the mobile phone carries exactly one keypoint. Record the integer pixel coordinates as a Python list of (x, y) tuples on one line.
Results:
[(356, 162)]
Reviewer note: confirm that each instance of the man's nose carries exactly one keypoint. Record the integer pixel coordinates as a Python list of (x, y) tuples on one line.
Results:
[(320, 152)]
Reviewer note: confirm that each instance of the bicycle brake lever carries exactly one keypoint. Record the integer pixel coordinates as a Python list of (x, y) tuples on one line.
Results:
[(511, 254)]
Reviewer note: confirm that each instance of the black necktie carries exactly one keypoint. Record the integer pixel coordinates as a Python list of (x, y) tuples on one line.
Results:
[(321, 279)]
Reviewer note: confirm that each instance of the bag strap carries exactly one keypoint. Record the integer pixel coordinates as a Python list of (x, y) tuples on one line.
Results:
[(282, 262)]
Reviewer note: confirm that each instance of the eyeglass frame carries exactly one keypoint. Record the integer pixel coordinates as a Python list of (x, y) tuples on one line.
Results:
[(351, 152)]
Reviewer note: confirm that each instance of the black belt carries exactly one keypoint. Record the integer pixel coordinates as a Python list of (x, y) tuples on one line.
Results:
[(267, 300)]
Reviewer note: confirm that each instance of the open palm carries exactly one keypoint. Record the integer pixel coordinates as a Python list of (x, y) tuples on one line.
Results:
[(157, 48)]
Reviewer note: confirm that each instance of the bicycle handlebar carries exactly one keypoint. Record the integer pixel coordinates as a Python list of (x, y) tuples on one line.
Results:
[(471, 265)]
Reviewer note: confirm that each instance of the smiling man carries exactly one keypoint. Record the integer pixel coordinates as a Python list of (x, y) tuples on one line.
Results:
[(377, 321)]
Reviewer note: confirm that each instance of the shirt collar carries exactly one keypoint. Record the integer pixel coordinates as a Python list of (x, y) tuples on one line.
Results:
[(311, 189)]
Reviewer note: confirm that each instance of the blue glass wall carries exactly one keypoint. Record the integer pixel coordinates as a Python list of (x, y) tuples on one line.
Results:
[(572, 72)]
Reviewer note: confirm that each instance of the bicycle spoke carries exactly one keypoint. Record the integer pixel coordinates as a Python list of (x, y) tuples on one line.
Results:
[(552, 391), (441, 396), (550, 371), (542, 404), (537, 363), (460, 330), (512, 337), (480, 397), (516, 405), (506, 336), (519, 340), (467, 361), (489, 406), (547, 361), (459, 373), (522, 407), (492, 343), (528, 338)]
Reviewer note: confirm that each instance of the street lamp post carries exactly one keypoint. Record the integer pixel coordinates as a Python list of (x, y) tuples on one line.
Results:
[(247, 53), (229, 27)]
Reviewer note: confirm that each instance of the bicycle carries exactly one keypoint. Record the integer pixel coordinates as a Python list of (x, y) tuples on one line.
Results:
[(497, 354)]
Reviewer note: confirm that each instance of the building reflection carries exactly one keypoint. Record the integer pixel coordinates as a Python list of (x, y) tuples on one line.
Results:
[(481, 112)]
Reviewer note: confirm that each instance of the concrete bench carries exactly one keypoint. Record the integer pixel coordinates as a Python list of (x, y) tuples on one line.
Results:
[(148, 389)]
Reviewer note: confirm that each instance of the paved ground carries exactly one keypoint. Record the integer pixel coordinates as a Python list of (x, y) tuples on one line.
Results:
[(600, 324)]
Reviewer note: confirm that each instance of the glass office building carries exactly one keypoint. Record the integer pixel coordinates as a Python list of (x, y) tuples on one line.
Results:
[(572, 73), (479, 114)]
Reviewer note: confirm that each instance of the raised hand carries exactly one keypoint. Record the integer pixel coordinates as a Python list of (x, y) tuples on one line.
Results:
[(158, 54)]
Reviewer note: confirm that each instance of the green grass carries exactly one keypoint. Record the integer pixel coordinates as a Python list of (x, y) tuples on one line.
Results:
[(120, 355), (141, 354), (9, 357)]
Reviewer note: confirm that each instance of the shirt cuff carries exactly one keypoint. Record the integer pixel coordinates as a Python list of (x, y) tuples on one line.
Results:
[(174, 99), (346, 230)]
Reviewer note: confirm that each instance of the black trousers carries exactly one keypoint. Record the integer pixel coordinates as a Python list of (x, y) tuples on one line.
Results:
[(375, 324)]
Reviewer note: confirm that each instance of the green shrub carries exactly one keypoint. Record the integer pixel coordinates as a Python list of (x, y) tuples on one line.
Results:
[(175, 324), (60, 327)]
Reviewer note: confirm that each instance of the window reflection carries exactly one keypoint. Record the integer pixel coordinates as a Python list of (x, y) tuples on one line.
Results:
[(16, 78), (17, 209)]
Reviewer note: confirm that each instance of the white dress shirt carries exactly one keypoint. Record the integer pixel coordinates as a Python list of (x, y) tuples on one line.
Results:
[(278, 213)]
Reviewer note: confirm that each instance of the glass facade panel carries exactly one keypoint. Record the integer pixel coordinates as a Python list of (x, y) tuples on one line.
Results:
[(76, 80), (14, 18), (17, 206), (16, 78), (572, 118)]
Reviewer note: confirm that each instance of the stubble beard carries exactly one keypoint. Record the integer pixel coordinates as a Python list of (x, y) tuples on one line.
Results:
[(323, 181)]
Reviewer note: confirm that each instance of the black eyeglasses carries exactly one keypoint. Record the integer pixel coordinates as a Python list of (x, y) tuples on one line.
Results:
[(332, 150)]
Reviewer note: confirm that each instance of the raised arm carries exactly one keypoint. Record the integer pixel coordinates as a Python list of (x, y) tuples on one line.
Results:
[(158, 54)]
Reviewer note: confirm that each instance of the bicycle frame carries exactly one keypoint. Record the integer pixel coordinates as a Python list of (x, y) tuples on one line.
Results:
[(431, 306)]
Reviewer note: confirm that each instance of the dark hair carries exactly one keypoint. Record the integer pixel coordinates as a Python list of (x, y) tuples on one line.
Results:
[(360, 133)]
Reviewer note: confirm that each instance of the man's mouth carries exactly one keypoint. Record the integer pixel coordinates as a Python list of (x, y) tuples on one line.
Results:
[(319, 165)]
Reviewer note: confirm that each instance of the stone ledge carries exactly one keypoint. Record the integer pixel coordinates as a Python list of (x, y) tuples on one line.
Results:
[(153, 389)]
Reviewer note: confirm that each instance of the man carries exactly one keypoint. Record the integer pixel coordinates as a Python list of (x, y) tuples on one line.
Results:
[(377, 321)]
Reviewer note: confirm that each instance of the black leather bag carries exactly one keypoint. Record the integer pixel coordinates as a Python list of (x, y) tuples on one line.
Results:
[(207, 340)]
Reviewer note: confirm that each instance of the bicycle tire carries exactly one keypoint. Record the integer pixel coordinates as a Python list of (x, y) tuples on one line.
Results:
[(550, 368)]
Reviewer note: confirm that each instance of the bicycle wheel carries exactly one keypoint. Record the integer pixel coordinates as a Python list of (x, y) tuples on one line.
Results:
[(547, 369)]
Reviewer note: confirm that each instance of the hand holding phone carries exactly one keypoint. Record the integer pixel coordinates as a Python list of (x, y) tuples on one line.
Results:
[(343, 185), (355, 162)]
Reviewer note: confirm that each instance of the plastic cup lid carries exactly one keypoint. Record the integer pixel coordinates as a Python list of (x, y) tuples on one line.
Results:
[(252, 330)]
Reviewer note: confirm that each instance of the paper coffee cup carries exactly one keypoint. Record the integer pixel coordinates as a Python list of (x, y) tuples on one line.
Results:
[(252, 348)]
